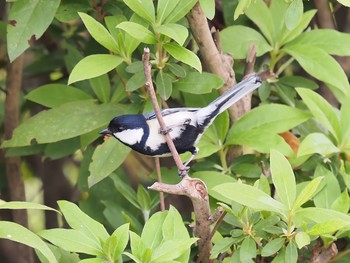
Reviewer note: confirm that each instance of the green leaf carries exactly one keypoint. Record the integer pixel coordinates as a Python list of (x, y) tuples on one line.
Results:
[(68, 10), (143, 199), (212, 179), (177, 70), (172, 249), (25, 150), (106, 158), (291, 255), (259, 127), (24, 205), (72, 240), (262, 140), (116, 243), (164, 9), (99, 32), (176, 32), (126, 191), (184, 55), (330, 191), (294, 14), (137, 247), (221, 246), (198, 83), (272, 247), (317, 143), (152, 234), (173, 227), (54, 95), (260, 14), (322, 111), (302, 239), (138, 32), (283, 178), (331, 41), (297, 82), (182, 8), (18, 233), (248, 249), (342, 203), (28, 22), (144, 8), (101, 87), (320, 65), (344, 2), (327, 227), (245, 36), (241, 6), (307, 215), (287, 36), (53, 125), (94, 66), (249, 196), (208, 7), (81, 222), (307, 193), (136, 81), (344, 144), (278, 11), (264, 118), (164, 84), (130, 43)]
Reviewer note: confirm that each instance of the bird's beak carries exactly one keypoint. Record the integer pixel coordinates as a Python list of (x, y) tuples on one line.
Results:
[(105, 132)]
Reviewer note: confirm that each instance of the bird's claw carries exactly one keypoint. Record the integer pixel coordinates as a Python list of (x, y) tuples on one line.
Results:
[(183, 172), (165, 131)]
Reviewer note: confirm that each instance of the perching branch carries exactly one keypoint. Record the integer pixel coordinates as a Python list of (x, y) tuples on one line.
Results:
[(193, 188), (164, 129)]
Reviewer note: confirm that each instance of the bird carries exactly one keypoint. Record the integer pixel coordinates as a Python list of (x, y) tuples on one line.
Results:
[(142, 132)]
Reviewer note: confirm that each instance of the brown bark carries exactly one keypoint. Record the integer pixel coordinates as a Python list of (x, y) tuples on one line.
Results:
[(13, 164)]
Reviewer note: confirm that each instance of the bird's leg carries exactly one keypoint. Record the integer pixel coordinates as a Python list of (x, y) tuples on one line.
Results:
[(183, 172)]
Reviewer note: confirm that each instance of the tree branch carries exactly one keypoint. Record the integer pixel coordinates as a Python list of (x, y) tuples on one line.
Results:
[(195, 189), (211, 58), (13, 164)]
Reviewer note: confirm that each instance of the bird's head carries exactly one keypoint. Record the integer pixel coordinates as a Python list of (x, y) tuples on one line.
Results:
[(129, 129)]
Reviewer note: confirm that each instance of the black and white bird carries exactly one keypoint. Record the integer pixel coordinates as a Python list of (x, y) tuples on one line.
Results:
[(142, 133)]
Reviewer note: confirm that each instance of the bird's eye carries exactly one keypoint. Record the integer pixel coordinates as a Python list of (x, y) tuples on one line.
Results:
[(120, 128)]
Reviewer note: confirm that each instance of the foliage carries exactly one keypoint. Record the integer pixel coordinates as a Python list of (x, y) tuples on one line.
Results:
[(96, 73)]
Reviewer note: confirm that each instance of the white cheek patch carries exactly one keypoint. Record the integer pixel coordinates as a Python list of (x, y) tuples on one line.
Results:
[(130, 137)]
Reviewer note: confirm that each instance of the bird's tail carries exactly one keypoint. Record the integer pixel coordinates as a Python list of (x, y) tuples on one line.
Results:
[(231, 96)]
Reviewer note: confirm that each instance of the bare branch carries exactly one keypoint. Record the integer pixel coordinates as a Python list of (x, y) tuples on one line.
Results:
[(159, 179), (149, 84), (193, 188)]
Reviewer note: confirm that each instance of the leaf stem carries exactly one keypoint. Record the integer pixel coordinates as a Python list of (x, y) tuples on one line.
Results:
[(284, 66), (222, 155)]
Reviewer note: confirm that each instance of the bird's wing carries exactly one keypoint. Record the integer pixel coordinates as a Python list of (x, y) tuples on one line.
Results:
[(166, 112)]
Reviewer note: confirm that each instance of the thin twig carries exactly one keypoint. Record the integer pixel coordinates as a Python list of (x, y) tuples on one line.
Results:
[(149, 85), (159, 178)]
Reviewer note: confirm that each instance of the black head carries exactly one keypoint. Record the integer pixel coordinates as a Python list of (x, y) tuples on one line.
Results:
[(123, 123)]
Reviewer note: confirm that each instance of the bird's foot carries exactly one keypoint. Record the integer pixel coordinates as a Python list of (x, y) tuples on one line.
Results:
[(165, 131), (183, 172)]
